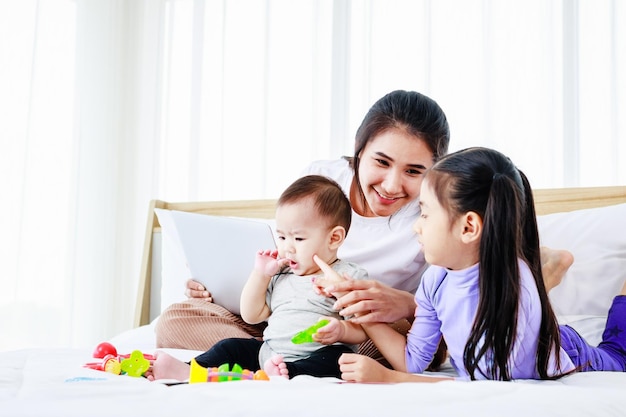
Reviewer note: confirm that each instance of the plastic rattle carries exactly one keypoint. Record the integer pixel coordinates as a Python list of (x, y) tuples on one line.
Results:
[(109, 363), (112, 365), (198, 373), (135, 364), (306, 335)]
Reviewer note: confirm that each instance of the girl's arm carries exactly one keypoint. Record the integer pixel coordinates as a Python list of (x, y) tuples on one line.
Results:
[(353, 333), (390, 343), (360, 368), (414, 352)]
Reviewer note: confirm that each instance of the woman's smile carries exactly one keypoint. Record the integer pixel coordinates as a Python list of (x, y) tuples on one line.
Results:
[(387, 199)]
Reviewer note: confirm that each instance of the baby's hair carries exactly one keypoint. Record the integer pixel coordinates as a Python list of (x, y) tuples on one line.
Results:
[(326, 195), (486, 182)]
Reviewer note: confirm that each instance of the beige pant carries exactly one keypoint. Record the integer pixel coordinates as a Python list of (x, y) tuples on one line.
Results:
[(197, 324)]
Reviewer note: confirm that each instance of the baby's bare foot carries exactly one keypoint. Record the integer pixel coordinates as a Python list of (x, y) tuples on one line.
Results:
[(276, 366), (554, 265), (166, 366)]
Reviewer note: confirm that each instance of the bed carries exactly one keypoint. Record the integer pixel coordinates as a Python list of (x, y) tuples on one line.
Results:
[(587, 221)]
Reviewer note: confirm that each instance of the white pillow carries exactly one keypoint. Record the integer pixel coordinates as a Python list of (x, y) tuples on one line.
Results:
[(597, 239)]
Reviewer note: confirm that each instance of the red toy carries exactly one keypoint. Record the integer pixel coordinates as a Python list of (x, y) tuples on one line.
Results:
[(103, 349), (133, 364)]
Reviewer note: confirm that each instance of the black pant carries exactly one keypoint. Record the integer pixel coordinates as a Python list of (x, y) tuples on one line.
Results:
[(245, 352)]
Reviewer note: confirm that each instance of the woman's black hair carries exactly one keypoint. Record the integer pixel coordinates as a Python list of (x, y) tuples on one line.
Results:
[(486, 182)]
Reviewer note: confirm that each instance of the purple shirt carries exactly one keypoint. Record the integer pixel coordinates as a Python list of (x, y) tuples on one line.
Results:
[(447, 302)]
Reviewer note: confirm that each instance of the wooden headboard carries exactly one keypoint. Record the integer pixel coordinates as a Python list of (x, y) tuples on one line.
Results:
[(546, 201)]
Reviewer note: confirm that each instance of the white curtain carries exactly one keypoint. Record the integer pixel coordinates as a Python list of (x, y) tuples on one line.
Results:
[(106, 104)]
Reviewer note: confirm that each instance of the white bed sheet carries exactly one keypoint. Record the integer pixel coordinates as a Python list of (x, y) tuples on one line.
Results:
[(35, 386), (52, 382)]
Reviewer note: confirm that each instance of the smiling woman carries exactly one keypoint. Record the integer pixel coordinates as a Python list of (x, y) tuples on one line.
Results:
[(108, 104), (387, 181)]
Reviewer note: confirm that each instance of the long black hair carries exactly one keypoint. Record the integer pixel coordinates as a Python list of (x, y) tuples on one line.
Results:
[(486, 182)]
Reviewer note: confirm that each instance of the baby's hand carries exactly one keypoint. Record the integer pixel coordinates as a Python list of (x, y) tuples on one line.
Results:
[(333, 332), (267, 262)]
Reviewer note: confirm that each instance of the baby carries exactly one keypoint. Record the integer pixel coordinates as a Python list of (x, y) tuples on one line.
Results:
[(313, 217)]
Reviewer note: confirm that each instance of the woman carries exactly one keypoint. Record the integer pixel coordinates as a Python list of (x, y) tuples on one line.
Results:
[(403, 134)]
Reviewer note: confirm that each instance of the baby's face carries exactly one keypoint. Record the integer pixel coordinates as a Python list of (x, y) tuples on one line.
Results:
[(302, 234)]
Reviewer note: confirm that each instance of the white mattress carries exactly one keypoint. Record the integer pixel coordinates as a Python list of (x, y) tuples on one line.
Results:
[(52, 382)]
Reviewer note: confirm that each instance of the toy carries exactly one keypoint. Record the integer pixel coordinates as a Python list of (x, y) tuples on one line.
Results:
[(198, 373), (133, 364), (109, 364), (103, 349), (306, 335), (112, 365)]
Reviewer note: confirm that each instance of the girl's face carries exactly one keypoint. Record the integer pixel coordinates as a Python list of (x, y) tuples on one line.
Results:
[(438, 234), (391, 169), (302, 233)]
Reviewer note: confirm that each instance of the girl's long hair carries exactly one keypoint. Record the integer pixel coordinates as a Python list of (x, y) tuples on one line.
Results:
[(487, 182)]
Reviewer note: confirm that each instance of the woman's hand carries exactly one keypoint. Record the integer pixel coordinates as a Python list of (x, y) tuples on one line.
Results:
[(368, 300), (196, 290), (330, 277), (371, 301)]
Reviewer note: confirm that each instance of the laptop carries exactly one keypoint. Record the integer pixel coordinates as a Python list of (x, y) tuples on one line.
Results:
[(219, 250)]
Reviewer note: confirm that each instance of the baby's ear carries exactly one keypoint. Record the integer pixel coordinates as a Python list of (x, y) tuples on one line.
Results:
[(336, 237), (472, 225)]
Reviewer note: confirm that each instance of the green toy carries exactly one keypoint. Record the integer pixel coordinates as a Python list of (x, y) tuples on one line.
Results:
[(306, 335)]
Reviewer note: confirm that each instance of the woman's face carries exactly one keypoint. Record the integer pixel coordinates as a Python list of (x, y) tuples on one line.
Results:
[(391, 169)]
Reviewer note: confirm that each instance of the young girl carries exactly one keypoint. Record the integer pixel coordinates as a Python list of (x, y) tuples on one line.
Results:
[(485, 292)]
